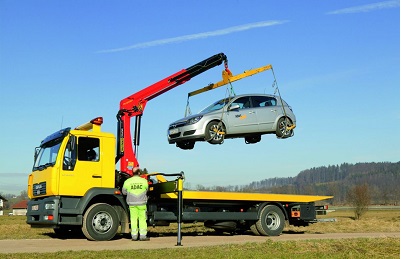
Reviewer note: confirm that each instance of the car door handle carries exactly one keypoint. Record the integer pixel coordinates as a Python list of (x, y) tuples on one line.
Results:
[(273, 110), (96, 176), (250, 112)]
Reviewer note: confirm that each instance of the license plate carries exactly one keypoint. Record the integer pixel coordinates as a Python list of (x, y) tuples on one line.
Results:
[(35, 207), (173, 131)]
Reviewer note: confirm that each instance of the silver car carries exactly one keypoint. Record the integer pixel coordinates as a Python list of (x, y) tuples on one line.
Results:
[(242, 116)]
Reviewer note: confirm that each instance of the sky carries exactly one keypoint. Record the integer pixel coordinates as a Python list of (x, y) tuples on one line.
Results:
[(337, 64)]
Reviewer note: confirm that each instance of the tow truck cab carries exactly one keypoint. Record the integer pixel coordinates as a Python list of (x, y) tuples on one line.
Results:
[(70, 162)]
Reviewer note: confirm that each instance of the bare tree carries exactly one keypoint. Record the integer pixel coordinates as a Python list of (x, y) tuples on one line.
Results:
[(359, 197)]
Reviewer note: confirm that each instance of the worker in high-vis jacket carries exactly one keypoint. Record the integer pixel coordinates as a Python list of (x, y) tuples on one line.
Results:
[(136, 189)]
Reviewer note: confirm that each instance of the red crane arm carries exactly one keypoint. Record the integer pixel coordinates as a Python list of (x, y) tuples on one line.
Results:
[(134, 105)]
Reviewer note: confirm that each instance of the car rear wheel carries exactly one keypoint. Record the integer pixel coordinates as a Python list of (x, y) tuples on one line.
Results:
[(282, 131), (214, 133)]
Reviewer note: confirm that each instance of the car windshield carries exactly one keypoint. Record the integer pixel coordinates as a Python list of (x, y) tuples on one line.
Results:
[(216, 106), (47, 154)]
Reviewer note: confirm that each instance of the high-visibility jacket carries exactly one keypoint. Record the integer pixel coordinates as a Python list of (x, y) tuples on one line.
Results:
[(136, 190)]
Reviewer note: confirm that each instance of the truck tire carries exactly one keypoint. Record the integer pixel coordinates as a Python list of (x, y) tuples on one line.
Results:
[(254, 230), (100, 222), (271, 221)]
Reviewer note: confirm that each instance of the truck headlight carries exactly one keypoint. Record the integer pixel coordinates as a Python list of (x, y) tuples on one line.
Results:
[(49, 206)]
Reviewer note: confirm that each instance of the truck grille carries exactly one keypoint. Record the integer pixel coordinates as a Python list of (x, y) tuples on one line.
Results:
[(39, 189)]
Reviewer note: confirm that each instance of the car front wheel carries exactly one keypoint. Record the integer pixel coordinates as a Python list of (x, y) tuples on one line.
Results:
[(214, 133)]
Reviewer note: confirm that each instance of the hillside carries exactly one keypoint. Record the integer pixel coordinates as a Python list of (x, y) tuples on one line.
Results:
[(383, 180)]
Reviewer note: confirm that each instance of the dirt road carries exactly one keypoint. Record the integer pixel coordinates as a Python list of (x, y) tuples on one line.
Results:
[(54, 245)]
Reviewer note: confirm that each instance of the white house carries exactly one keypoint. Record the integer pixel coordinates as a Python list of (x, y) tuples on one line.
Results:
[(2, 200), (20, 208)]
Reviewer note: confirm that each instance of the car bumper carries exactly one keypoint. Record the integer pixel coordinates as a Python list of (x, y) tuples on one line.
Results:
[(190, 132)]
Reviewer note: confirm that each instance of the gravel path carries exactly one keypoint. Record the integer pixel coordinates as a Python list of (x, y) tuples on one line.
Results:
[(54, 245)]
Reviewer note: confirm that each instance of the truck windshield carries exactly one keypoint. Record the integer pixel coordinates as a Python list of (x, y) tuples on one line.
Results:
[(47, 154)]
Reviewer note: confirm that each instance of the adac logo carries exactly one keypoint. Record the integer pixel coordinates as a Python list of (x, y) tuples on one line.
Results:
[(240, 116)]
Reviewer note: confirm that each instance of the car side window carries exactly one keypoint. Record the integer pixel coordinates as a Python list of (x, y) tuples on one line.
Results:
[(263, 101), (243, 102)]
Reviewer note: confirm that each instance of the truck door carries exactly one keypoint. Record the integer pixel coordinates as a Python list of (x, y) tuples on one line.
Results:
[(81, 168)]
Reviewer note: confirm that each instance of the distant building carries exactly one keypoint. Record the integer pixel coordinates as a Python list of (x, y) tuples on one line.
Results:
[(2, 200), (20, 208)]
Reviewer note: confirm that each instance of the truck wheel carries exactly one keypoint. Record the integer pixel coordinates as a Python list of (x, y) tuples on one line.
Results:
[(100, 222), (271, 221), (254, 230)]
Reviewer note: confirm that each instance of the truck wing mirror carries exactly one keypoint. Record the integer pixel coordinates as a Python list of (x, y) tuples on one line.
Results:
[(71, 143), (37, 149)]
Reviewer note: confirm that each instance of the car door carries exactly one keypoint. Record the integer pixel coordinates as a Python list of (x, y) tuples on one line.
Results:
[(266, 111), (243, 119)]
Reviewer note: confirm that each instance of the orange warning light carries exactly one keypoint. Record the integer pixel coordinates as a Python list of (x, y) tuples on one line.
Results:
[(97, 121)]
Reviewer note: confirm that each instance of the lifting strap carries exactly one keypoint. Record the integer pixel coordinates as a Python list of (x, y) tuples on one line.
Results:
[(187, 109), (289, 126), (227, 78)]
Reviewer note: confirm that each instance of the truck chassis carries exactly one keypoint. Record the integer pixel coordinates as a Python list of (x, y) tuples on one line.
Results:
[(103, 211)]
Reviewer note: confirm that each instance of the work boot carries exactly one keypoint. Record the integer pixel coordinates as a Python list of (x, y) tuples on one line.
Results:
[(134, 238)]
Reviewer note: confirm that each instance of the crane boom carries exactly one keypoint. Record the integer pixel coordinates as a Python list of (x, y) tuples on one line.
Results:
[(134, 105)]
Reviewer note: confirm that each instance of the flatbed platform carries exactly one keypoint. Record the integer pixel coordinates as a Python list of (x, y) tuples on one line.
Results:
[(238, 196)]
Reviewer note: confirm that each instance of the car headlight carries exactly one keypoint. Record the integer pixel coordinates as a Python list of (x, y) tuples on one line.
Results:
[(194, 120)]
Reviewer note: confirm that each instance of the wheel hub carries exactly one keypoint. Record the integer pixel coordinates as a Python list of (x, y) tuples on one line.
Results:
[(273, 221), (102, 222)]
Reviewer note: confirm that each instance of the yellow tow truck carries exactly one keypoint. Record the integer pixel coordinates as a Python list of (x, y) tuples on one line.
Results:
[(74, 185)]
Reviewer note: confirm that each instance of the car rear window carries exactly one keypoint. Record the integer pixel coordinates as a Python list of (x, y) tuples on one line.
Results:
[(263, 101)]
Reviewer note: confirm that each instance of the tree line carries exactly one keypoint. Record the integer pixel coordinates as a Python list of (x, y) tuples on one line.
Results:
[(382, 181)]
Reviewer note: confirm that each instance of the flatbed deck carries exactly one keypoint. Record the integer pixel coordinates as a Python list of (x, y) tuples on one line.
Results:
[(239, 196)]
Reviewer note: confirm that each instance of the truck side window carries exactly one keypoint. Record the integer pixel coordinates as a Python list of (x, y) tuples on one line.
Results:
[(88, 149), (70, 154)]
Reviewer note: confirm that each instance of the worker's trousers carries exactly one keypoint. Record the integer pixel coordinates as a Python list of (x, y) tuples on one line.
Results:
[(138, 218)]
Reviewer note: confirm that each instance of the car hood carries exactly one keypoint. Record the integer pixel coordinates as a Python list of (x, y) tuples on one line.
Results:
[(195, 115)]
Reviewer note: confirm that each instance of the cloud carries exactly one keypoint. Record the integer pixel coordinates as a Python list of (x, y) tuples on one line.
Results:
[(202, 35), (367, 8)]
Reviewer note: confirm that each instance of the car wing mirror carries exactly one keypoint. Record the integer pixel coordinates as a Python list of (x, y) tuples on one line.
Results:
[(234, 107)]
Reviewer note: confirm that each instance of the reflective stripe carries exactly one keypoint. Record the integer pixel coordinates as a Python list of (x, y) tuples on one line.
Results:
[(136, 190)]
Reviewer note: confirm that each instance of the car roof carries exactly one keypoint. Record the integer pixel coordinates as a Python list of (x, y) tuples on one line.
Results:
[(244, 95)]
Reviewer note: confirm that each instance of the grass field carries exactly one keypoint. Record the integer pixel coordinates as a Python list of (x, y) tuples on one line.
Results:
[(14, 227)]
